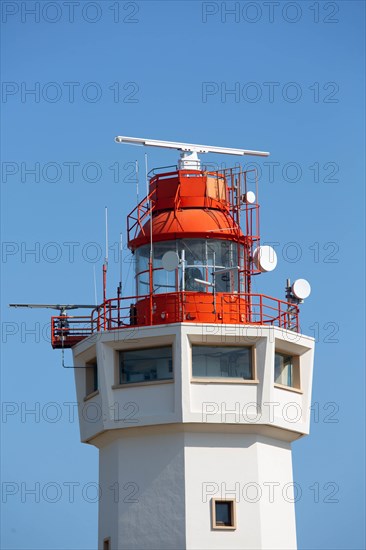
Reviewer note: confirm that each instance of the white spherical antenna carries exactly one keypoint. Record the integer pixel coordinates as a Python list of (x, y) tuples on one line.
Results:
[(170, 260), (265, 258), (301, 289), (249, 197)]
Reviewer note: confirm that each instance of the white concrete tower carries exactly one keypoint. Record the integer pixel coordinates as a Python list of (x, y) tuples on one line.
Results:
[(194, 389)]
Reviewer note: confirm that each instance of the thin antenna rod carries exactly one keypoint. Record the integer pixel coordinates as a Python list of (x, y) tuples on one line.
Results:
[(146, 178), (95, 287), (150, 209), (137, 180), (106, 236), (120, 258), (149, 205), (105, 266), (119, 288), (151, 284)]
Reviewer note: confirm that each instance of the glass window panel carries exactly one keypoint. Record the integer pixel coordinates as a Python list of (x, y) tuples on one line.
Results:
[(223, 513), (91, 377), (143, 284), (283, 369), (164, 281), (222, 362), (202, 257), (145, 365), (142, 255), (192, 276)]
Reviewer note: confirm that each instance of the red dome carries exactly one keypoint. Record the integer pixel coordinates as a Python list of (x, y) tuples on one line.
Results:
[(190, 223)]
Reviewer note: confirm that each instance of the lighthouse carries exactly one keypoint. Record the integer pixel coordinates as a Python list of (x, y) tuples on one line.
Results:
[(194, 388)]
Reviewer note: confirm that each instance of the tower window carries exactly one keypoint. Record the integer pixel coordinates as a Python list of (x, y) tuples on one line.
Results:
[(287, 372), (223, 514), (91, 377), (107, 544), (222, 362), (145, 365)]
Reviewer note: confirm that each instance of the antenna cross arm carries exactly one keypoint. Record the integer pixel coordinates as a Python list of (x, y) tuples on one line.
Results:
[(194, 148)]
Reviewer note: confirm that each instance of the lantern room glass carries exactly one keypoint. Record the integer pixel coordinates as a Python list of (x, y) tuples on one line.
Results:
[(198, 260)]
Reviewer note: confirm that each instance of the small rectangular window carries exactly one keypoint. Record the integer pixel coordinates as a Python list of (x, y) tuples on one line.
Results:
[(145, 365), (223, 514), (287, 370), (91, 377), (107, 544), (222, 362)]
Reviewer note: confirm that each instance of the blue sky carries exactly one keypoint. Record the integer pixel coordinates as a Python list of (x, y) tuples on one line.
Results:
[(290, 81)]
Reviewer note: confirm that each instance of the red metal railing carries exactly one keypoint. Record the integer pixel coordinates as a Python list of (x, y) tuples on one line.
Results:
[(68, 330), (175, 307)]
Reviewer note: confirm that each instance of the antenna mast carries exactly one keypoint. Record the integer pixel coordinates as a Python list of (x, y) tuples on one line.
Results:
[(137, 180), (95, 286), (105, 265)]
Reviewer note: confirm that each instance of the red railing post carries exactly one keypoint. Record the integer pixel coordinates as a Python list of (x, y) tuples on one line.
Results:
[(279, 316), (261, 308)]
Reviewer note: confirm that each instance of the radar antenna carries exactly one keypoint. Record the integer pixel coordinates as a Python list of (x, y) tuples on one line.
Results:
[(61, 307), (189, 151)]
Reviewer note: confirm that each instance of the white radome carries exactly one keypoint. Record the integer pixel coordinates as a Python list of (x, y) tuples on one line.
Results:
[(301, 289), (170, 260), (249, 197), (265, 258)]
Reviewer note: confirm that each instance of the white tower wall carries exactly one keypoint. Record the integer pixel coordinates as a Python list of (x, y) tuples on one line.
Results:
[(173, 446), (244, 467), (142, 476)]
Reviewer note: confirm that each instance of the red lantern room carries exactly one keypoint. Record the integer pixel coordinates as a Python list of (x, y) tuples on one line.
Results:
[(190, 250), (196, 243)]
